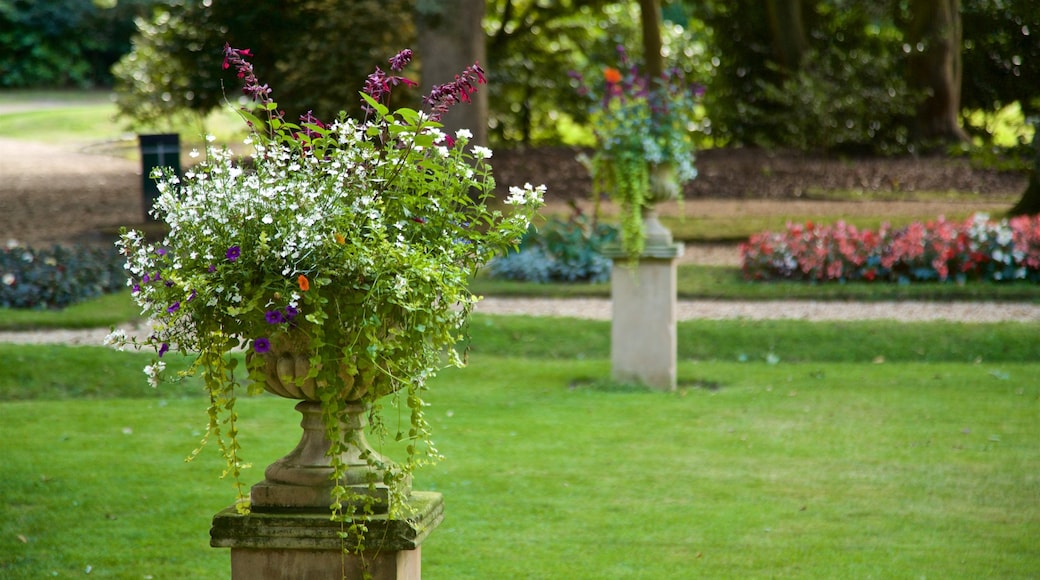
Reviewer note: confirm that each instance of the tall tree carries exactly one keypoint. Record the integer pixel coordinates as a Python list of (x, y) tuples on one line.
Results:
[(787, 26), (934, 37), (650, 17), (450, 38)]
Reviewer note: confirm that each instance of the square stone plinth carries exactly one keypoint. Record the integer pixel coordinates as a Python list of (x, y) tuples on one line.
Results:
[(307, 546), (643, 326)]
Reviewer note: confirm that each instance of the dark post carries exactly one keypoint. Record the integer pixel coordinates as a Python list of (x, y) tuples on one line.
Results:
[(162, 150)]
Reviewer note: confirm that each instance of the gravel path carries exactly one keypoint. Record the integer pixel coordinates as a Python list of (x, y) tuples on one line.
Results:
[(599, 309)]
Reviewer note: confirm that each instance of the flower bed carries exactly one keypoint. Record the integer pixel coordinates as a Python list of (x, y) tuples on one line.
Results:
[(976, 249), (56, 277)]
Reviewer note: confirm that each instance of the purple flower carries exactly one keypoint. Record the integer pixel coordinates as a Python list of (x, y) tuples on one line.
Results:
[(233, 253), (261, 345), (136, 289), (291, 312), (192, 297), (163, 349), (401, 60), (212, 268), (161, 251), (443, 97), (174, 307), (146, 279), (274, 317)]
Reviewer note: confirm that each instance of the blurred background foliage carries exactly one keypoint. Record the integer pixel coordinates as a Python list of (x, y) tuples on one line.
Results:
[(836, 80)]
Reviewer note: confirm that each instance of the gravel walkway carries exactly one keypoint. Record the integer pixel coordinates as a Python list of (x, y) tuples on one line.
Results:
[(599, 309)]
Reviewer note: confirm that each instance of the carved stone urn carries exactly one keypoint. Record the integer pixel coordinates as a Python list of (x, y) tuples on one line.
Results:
[(664, 186), (302, 479)]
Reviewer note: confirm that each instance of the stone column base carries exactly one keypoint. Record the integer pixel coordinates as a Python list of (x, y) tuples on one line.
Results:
[(643, 326), (307, 546)]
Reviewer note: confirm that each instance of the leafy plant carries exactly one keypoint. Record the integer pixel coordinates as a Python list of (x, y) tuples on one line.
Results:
[(645, 150), (349, 243), (559, 251), (57, 277)]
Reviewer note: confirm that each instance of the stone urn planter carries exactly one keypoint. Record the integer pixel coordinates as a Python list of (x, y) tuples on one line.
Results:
[(664, 186), (302, 479)]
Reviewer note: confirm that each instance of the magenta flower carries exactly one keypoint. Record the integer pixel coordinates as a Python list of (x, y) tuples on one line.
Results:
[(401, 60)]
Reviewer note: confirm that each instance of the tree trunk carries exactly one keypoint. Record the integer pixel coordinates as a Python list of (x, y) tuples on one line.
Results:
[(1029, 203), (934, 37), (450, 38), (788, 31), (650, 13)]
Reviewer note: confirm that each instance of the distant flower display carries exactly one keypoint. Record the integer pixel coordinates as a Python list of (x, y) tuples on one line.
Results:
[(976, 249)]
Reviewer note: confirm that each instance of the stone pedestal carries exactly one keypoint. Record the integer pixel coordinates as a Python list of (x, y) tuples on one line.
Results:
[(643, 333), (307, 546)]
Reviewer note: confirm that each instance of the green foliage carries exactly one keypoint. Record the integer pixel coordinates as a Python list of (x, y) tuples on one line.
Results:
[(839, 100), (849, 93), (175, 67), (559, 251), (57, 277), (1001, 55), (64, 44), (533, 48)]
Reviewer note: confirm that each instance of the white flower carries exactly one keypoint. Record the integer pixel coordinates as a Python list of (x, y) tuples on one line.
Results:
[(117, 339), (8, 279), (153, 371), (463, 134), (526, 195), (482, 152), (194, 153)]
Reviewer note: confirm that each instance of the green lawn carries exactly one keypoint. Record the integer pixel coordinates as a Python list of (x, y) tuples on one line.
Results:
[(817, 462)]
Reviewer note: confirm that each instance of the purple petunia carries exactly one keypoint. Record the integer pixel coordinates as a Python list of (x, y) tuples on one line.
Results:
[(233, 253), (291, 312), (261, 345), (174, 307), (274, 317), (163, 349)]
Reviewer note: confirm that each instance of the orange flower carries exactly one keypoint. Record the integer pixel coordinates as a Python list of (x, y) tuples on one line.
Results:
[(340, 239), (612, 75), (304, 283)]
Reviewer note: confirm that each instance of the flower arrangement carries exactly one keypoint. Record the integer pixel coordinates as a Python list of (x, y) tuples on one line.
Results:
[(978, 248), (351, 242), (645, 150)]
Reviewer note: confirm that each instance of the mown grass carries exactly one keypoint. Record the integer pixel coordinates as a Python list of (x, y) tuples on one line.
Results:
[(802, 469), (89, 119)]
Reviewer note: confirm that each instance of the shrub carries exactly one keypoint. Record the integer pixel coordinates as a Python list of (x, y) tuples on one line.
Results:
[(976, 249), (58, 277), (559, 251)]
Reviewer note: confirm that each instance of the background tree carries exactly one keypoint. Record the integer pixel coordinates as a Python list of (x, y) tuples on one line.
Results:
[(450, 38), (64, 44), (299, 50), (934, 38)]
